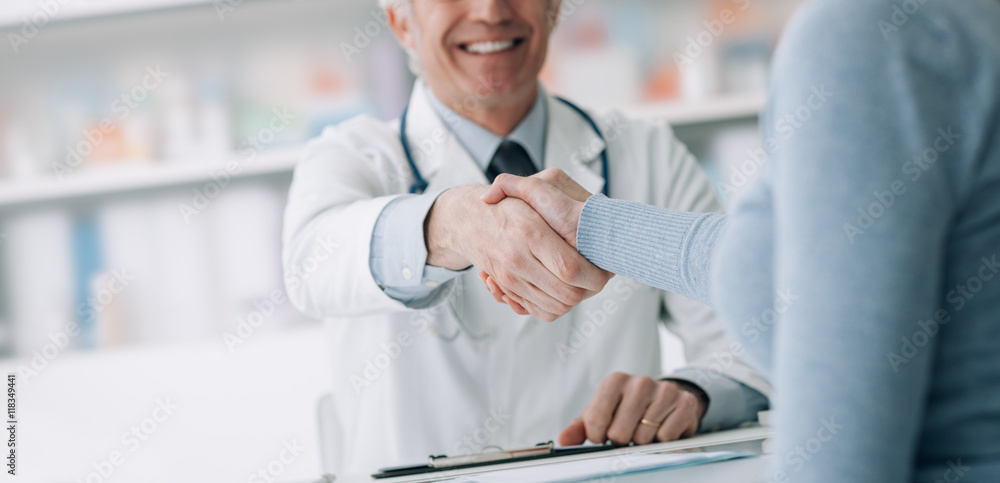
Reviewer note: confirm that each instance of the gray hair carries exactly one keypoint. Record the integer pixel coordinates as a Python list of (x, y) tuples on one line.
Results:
[(405, 7)]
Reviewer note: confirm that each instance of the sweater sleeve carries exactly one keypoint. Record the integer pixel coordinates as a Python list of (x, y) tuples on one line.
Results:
[(667, 249)]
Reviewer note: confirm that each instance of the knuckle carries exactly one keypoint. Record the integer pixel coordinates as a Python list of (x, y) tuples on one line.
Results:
[(666, 391), (595, 419), (617, 378), (644, 384), (568, 271), (505, 279), (576, 296), (619, 435), (687, 400), (643, 437)]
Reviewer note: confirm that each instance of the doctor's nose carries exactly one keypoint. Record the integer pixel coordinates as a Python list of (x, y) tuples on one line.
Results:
[(491, 12)]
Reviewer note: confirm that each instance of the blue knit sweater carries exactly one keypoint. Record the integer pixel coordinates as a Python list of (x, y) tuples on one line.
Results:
[(860, 271)]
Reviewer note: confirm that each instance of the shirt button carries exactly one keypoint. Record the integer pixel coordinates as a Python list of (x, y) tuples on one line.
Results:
[(407, 273), (431, 283)]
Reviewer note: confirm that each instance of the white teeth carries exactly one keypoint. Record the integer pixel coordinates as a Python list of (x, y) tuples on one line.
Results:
[(490, 47)]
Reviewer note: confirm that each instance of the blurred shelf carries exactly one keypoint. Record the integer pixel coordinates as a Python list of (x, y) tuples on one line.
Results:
[(721, 109), (131, 177), (15, 11)]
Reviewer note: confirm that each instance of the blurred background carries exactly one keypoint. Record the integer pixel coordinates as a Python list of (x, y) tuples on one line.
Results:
[(146, 148)]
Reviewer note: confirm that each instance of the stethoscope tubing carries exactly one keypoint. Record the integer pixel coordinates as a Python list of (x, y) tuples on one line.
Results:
[(420, 184)]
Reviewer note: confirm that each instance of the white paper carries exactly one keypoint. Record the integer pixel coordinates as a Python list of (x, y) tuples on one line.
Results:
[(609, 466)]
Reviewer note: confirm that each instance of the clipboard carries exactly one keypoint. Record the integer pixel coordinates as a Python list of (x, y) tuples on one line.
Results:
[(445, 463)]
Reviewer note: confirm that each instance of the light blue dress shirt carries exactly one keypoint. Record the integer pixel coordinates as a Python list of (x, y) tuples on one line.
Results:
[(398, 251)]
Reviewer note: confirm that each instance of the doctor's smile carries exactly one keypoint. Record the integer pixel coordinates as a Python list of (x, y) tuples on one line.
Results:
[(482, 241)]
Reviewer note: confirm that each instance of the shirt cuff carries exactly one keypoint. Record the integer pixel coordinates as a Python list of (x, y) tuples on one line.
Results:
[(398, 258), (730, 403)]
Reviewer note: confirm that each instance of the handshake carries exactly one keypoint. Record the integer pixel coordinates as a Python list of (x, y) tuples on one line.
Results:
[(521, 234)]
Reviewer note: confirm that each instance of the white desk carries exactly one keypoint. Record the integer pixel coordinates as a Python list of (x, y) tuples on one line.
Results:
[(746, 470)]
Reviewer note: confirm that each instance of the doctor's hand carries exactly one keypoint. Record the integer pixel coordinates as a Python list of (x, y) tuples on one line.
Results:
[(636, 409), (515, 246), (551, 193)]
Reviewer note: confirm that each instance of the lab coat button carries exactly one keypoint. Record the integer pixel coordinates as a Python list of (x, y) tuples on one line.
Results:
[(431, 283), (407, 273)]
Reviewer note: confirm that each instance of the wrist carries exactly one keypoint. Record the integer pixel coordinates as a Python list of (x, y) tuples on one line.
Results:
[(696, 390), (443, 225), (576, 210)]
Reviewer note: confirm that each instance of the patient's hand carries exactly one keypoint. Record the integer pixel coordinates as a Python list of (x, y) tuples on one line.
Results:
[(623, 401), (556, 198), (551, 193)]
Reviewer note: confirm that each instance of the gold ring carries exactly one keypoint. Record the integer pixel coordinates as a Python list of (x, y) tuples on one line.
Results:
[(650, 423)]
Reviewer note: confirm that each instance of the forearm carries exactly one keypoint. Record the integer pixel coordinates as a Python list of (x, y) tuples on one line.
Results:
[(667, 249)]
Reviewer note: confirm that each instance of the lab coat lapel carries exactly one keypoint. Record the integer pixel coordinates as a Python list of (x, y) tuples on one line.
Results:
[(573, 146), (442, 159)]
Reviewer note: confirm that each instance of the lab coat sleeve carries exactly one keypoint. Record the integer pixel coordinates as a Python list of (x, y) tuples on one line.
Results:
[(714, 362), (340, 188)]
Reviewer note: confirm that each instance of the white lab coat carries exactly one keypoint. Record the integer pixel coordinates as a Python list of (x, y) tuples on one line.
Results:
[(401, 390)]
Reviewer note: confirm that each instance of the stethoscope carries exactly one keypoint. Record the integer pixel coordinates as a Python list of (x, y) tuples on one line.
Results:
[(420, 185)]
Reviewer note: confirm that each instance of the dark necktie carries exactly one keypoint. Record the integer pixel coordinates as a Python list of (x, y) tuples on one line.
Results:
[(510, 158)]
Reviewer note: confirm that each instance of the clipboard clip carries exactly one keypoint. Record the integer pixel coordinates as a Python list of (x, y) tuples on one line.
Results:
[(540, 449)]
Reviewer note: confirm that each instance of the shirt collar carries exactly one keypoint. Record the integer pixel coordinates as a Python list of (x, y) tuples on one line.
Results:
[(482, 144)]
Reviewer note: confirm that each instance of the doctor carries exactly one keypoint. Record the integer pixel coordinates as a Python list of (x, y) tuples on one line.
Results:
[(384, 225)]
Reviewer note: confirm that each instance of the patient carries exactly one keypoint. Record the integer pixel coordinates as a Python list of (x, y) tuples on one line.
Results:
[(878, 222)]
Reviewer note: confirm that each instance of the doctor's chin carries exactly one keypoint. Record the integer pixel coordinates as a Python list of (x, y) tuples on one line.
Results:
[(500, 241)]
